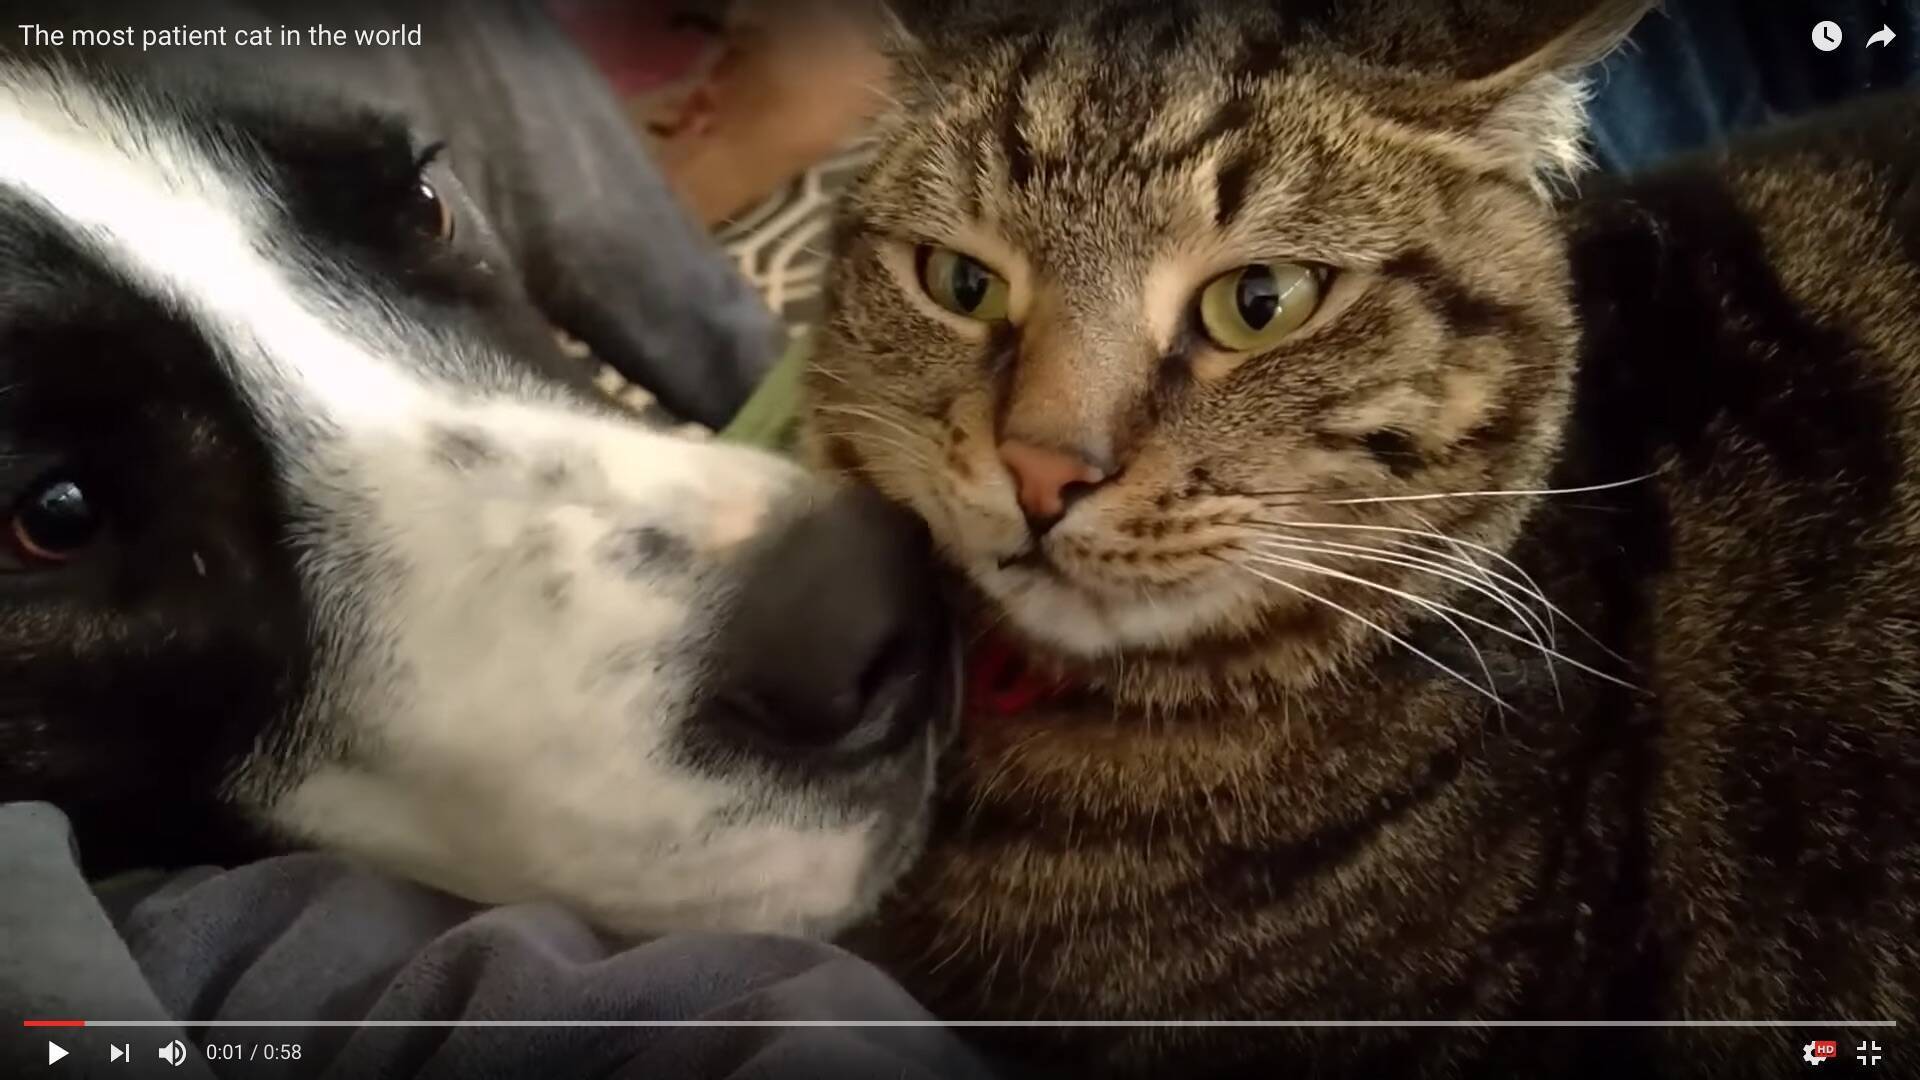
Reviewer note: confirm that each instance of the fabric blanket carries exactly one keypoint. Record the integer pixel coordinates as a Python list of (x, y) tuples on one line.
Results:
[(307, 936), (771, 417)]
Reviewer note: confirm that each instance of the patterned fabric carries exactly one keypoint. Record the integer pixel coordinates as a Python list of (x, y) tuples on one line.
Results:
[(780, 247)]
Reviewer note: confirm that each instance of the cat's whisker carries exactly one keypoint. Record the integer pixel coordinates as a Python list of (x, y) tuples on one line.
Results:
[(1371, 625), (1536, 624), (825, 374), (1533, 588), (1277, 493), (1524, 583), (1526, 617), (1437, 609), (878, 417), (1490, 578), (1409, 549), (915, 456), (1439, 495), (1444, 612), (883, 92), (1551, 645), (1286, 504), (1591, 637)]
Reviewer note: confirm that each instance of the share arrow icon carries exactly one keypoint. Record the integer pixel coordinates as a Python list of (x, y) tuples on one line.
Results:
[(1883, 37)]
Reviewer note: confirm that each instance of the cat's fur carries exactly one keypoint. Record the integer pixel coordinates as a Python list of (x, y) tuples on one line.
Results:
[(1251, 805)]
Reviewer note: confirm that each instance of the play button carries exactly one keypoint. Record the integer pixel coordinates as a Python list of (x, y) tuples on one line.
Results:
[(54, 1053)]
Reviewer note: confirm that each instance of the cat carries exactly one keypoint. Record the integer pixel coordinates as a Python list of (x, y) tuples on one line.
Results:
[(1408, 586)]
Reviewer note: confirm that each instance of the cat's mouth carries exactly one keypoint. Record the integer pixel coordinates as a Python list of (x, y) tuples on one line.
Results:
[(1054, 598), (1034, 558)]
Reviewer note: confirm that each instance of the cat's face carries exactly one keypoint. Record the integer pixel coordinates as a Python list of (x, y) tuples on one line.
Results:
[(1139, 311)]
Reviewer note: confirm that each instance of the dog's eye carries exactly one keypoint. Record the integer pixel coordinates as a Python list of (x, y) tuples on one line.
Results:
[(429, 214), (54, 522)]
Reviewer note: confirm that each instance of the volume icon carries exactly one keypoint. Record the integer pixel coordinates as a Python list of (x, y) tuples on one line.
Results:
[(174, 1053)]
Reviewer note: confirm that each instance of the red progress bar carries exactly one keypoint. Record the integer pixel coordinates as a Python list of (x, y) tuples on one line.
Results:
[(54, 1023)]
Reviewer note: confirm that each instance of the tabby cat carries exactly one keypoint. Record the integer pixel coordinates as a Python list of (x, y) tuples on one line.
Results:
[(1404, 590)]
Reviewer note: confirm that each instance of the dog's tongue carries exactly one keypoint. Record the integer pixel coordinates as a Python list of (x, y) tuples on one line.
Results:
[(637, 46), (1002, 682)]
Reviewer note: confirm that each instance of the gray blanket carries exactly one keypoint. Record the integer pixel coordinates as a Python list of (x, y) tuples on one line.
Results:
[(300, 937)]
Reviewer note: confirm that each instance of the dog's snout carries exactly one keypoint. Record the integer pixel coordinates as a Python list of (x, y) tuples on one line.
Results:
[(839, 642)]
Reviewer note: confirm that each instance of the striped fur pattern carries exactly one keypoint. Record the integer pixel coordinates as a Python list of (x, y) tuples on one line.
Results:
[(1345, 740)]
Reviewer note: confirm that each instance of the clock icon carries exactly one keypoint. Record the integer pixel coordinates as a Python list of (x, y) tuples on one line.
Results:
[(1826, 36)]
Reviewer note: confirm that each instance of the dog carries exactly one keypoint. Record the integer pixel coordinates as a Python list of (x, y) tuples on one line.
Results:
[(315, 538)]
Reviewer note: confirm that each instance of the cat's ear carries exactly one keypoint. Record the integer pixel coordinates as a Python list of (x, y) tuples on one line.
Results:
[(1531, 109)]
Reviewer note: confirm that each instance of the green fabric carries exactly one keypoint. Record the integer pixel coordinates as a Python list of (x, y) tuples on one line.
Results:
[(770, 418)]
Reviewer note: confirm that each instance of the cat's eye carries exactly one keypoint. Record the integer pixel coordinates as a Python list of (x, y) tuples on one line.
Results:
[(1256, 306), (962, 284), (53, 523)]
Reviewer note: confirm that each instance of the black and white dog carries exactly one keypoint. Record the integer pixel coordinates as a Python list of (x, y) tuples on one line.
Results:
[(313, 537)]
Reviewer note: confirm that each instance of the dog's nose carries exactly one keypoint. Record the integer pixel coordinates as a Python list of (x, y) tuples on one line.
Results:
[(838, 641), (1047, 481)]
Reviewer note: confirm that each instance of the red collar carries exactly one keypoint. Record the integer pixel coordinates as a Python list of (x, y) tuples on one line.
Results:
[(1001, 681)]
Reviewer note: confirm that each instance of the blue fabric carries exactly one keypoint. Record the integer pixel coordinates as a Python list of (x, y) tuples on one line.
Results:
[(1700, 70)]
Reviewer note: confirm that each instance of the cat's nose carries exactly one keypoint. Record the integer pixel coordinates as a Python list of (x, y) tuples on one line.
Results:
[(1048, 481)]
